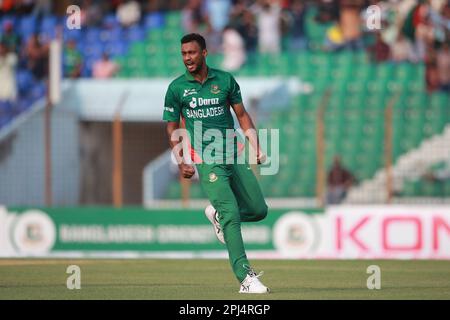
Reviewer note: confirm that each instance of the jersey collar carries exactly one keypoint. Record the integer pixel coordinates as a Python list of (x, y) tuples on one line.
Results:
[(190, 77)]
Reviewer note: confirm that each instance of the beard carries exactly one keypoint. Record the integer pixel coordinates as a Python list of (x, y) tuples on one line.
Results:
[(199, 66)]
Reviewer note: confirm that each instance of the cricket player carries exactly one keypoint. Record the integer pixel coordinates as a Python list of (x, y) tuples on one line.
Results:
[(203, 98)]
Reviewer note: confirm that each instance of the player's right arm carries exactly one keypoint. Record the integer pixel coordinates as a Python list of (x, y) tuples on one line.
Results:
[(172, 110), (186, 170)]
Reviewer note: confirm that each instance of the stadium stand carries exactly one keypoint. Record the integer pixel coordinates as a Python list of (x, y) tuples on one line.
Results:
[(354, 117)]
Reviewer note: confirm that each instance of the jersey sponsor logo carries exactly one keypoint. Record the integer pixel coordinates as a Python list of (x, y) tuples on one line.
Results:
[(203, 102), (170, 109), (205, 113), (215, 89), (208, 102), (188, 92)]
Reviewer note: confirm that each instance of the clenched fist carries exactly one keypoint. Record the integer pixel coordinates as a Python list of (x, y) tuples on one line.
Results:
[(186, 170)]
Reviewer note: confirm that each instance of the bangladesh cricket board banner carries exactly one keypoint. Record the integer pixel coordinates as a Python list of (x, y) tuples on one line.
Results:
[(353, 232)]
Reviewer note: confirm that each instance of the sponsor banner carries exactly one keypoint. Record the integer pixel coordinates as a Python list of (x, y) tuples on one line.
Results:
[(357, 232), (390, 232), (133, 231)]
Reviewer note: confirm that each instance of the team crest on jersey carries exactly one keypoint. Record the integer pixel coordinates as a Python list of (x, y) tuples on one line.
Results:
[(213, 177), (215, 89)]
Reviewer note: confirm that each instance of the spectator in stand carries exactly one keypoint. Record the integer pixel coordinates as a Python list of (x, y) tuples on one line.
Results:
[(36, 54), (193, 16), (268, 15), (73, 61), (424, 33), (350, 23), (233, 49), (8, 62), (218, 13), (104, 68), (129, 13), (328, 11), (339, 180), (297, 31), (6, 5), (160, 5), (334, 39), (443, 66), (91, 13), (42, 8), (9, 37), (244, 22), (249, 32), (237, 12), (439, 15), (402, 50), (379, 51), (431, 70)]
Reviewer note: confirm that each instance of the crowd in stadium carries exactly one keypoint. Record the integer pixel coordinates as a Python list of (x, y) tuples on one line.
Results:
[(410, 31)]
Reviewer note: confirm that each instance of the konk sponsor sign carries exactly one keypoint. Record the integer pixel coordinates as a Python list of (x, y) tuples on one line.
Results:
[(389, 232)]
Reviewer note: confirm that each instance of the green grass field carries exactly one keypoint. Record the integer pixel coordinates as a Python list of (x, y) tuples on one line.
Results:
[(153, 279)]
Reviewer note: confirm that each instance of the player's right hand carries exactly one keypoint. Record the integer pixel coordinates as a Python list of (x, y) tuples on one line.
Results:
[(261, 158), (186, 170)]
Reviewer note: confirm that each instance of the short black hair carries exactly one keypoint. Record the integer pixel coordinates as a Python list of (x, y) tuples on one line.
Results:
[(194, 37)]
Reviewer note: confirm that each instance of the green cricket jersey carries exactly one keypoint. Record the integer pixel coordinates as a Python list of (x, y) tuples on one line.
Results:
[(205, 110)]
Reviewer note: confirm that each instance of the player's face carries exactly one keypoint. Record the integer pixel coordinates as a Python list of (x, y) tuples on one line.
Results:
[(193, 56)]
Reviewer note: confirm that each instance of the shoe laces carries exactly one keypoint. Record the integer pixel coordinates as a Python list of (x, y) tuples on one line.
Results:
[(251, 272)]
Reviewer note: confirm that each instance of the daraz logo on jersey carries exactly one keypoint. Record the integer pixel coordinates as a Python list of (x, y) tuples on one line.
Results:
[(203, 102)]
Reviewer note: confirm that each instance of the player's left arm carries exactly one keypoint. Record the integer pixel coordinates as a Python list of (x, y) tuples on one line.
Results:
[(246, 123)]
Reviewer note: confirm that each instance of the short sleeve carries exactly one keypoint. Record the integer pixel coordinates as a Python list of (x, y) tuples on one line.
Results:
[(172, 107), (235, 92)]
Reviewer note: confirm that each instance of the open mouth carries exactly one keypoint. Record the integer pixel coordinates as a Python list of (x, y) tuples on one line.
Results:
[(190, 66)]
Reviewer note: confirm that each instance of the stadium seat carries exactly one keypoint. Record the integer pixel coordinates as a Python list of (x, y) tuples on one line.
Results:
[(92, 35), (173, 20), (116, 48), (135, 33), (154, 20), (110, 21), (24, 80), (38, 90), (27, 26), (72, 34), (116, 35), (48, 27)]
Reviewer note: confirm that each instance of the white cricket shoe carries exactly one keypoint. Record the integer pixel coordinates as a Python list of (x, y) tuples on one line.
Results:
[(212, 216), (251, 284)]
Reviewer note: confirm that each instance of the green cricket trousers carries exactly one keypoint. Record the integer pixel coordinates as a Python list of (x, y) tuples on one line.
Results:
[(235, 193)]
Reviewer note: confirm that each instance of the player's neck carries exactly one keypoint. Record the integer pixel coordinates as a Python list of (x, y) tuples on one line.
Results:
[(202, 74)]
